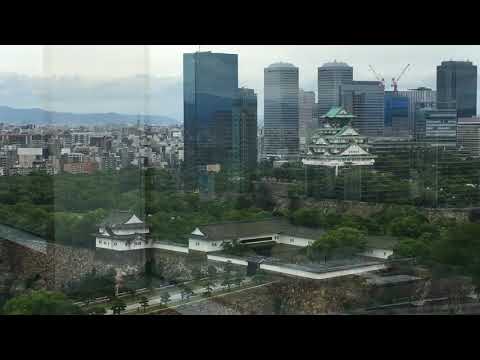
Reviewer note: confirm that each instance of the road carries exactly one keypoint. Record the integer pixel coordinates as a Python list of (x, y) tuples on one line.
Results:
[(216, 296), (175, 296)]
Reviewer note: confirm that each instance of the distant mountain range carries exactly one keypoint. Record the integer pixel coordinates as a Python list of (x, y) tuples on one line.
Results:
[(10, 115)]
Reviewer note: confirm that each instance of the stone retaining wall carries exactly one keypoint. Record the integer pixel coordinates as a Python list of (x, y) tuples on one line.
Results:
[(364, 209), (63, 264)]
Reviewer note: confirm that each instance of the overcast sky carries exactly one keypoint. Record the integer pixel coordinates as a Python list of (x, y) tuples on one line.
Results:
[(165, 62)]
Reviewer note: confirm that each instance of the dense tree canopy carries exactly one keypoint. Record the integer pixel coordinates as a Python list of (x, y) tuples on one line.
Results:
[(343, 240), (41, 303)]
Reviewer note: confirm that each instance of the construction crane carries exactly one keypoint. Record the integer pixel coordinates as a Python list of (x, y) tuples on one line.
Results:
[(395, 81), (379, 78)]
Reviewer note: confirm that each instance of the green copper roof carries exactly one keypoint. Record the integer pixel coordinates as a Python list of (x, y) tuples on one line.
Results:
[(338, 112), (347, 130)]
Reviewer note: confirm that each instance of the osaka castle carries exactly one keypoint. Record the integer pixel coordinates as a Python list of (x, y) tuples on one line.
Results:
[(337, 144)]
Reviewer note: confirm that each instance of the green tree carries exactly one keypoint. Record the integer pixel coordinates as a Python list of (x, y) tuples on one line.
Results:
[(208, 288), (144, 303), (344, 240), (97, 310), (41, 303), (186, 293), (227, 275), (307, 217), (165, 298), (233, 247), (408, 226), (416, 248), (242, 202), (263, 197), (93, 285), (118, 306)]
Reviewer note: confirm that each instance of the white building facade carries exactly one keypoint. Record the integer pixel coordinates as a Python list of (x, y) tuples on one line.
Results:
[(123, 231)]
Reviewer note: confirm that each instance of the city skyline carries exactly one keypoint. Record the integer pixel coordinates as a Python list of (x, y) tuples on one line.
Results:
[(163, 63), (355, 199)]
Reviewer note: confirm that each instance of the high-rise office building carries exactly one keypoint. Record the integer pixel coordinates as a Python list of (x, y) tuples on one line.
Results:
[(306, 103), (330, 77), (418, 98), (468, 135), (396, 115), (317, 115), (366, 100), (281, 111), (437, 127), (261, 142), (457, 87), (210, 82), (244, 132)]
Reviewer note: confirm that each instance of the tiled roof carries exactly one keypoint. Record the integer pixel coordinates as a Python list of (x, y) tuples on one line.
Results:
[(347, 130), (23, 238), (241, 229), (338, 112), (117, 217), (129, 237)]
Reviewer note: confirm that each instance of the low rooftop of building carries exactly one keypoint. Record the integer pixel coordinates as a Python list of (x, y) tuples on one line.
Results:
[(244, 229), (374, 279), (241, 229), (121, 217), (331, 264), (335, 63), (281, 65), (23, 238)]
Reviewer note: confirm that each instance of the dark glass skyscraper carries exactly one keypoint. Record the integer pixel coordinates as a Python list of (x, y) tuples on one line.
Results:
[(418, 98), (396, 115), (457, 87), (306, 104), (366, 100), (438, 127), (244, 134), (210, 82)]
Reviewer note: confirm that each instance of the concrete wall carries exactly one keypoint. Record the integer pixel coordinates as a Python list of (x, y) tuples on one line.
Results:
[(224, 259), (321, 276), (121, 245), (170, 247), (294, 240), (204, 246), (378, 253), (211, 246)]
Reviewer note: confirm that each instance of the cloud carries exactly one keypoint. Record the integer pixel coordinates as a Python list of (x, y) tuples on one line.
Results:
[(131, 95), (105, 78)]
